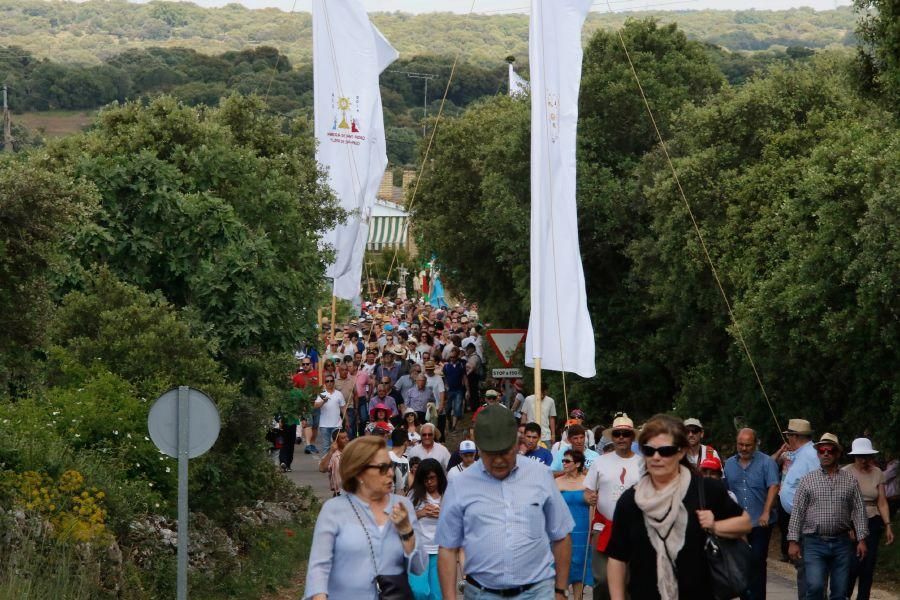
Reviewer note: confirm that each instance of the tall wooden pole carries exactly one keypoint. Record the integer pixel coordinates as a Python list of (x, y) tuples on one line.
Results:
[(7, 128), (333, 310), (537, 394)]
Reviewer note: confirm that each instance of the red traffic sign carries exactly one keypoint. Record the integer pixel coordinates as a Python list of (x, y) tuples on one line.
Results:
[(505, 342)]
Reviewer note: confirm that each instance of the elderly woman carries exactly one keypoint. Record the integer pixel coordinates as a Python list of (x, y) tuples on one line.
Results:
[(871, 485), (364, 533), (658, 524)]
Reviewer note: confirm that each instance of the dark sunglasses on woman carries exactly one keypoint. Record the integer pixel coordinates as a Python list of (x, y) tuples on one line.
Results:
[(664, 451)]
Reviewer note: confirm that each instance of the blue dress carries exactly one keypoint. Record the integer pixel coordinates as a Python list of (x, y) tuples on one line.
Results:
[(580, 569)]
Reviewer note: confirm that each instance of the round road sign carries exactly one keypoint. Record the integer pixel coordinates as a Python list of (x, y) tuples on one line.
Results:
[(203, 422)]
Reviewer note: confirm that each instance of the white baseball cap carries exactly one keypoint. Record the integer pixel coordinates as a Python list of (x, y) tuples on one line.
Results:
[(467, 447)]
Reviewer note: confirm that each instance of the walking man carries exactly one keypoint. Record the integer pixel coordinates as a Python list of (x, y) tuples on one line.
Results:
[(607, 479), (827, 510), (799, 438), (506, 514), (752, 476)]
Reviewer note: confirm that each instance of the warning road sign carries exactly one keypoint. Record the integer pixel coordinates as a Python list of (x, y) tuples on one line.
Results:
[(505, 342)]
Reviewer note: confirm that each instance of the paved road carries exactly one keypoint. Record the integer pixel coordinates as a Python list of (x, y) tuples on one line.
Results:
[(781, 586)]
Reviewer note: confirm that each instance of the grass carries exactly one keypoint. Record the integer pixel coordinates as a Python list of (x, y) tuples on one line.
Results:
[(56, 123), (273, 563), (887, 573), (41, 569)]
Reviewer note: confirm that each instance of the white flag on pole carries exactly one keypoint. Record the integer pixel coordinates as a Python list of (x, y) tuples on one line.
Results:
[(518, 86), (349, 53), (559, 331)]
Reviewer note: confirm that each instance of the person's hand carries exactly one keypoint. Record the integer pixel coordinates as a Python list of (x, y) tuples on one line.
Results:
[(434, 510), (707, 519), (852, 535), (590, 496), (400, 518), (764, 520), (888, 535), (794, 551), (861, 549)]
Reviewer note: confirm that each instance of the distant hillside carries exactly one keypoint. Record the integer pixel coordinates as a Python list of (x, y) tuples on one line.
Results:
[(89, 32)]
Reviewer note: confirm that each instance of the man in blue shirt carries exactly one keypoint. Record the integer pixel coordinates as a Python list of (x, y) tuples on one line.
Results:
[(533, 449), (504, 512), (457, 385), (576, 441), (806, 459), (752, 476)]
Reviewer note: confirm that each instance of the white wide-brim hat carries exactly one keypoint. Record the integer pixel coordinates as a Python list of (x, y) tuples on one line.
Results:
[(862, 447)]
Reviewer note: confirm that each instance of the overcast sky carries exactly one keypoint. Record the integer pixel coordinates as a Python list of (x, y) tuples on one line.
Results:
[(511, 6)]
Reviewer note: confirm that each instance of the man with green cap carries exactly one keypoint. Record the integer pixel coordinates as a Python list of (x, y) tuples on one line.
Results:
[(506, 513)]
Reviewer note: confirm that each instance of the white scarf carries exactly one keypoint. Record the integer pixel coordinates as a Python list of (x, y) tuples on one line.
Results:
[(666, 520)]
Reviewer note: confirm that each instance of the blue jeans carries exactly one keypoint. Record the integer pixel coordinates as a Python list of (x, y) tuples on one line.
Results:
[(759, 545), (456, 398), (825, 558), (325, 434), (540, 591)]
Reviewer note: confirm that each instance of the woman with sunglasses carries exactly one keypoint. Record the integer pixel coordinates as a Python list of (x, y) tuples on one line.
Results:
[(365, 532), (571, 485), (426, 493), (656, 550)]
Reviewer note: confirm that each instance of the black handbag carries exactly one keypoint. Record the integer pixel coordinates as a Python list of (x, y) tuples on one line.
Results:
[(389, 587), (730, 561)]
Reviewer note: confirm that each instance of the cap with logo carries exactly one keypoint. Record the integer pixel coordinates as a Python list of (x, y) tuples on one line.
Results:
[(467, 447), (496, 429)]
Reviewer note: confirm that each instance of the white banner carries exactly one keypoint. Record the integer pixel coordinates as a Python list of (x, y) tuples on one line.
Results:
[(518, 86), (348, 55), (559, 331)]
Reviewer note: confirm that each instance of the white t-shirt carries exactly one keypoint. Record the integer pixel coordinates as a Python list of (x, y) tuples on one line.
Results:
[(609, 476), (428, 525), (548, 409), (704, 452), (438, 452), (455, 472), (330, 411), (436, 383)]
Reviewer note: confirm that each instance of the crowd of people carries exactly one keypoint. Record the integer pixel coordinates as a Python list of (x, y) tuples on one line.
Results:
[(526, 505)]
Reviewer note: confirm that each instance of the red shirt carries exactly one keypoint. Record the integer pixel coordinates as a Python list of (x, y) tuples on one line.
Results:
[(303, 379)]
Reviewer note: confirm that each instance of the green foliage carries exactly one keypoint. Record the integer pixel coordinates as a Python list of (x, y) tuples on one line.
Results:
[(879, 49), (38, 210), (217, 209)]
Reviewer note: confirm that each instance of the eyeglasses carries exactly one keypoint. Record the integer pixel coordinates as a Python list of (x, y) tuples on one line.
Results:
[(567, 460), (664, 451), (425, 435), (622, 434), (329, 381), (383, 468), (826, 450), (306, 364)]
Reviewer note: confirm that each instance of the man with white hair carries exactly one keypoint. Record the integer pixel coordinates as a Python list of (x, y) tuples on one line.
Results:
[(429, 448)]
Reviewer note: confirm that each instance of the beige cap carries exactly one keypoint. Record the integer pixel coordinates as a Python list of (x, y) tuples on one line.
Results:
[(622, 422), (692, 422)]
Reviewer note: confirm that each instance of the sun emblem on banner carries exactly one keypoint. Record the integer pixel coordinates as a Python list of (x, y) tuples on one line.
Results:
[(553, 117), (344, 107)]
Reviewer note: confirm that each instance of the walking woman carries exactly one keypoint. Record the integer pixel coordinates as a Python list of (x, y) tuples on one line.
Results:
[(366, 532), (658, 536), (871, 485), (427, 491), (571, 486)]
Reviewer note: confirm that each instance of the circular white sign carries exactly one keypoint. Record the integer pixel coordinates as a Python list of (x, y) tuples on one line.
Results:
[(203, 422)]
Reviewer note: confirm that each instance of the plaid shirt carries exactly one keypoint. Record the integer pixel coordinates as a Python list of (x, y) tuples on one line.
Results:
[(828, 505)]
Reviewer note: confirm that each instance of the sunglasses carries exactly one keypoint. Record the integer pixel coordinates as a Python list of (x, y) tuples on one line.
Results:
[(664, 451), (307, 364), (694, 430), (622, 434), (425, 435), (383, 468), (567, 460), (329, 381), (826, 450)]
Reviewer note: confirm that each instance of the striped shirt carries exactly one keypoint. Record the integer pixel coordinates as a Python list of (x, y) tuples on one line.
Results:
[(827, 505), (504, 524)]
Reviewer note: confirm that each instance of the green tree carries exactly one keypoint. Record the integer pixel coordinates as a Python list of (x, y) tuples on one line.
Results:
[(219, 210), (879, 47)]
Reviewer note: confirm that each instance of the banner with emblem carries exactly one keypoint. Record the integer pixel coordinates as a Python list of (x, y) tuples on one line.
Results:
[(349, 53), (560, 331)]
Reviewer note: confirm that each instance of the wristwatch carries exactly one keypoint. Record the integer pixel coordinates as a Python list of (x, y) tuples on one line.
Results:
[(407, 535)]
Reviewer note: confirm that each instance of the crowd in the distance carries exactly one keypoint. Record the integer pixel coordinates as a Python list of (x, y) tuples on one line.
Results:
[(528, 505)]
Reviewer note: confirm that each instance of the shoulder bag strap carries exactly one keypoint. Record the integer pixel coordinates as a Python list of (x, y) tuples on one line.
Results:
[(366, 531), (701, 493)]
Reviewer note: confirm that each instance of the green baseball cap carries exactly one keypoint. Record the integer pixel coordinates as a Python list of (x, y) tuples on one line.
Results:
[(495, 429)]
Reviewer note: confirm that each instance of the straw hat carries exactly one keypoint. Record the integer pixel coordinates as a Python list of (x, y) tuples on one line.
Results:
[(831, 439), (799, 426)]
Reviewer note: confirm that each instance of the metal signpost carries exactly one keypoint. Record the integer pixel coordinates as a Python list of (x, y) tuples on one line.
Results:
[(183, 423)]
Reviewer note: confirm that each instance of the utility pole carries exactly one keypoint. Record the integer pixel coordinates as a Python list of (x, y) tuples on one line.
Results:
[(426, 77), (7, 127)]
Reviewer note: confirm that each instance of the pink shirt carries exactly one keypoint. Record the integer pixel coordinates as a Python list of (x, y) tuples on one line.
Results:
[(362, 380)]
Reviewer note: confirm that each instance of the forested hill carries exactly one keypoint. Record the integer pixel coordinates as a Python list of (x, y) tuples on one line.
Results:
[(89, 32)]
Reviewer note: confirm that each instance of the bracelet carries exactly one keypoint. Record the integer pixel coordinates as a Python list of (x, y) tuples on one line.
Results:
[(407, 535), (560, 591)]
